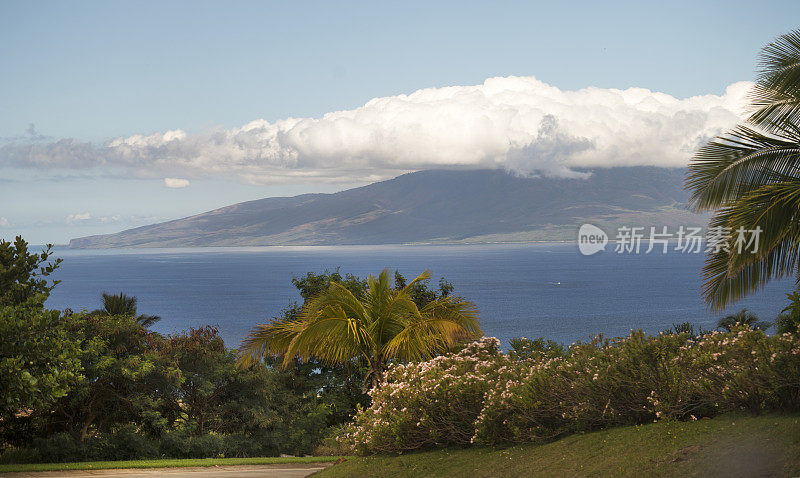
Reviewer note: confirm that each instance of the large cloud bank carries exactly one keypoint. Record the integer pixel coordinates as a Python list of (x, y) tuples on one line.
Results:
[(517, 123)]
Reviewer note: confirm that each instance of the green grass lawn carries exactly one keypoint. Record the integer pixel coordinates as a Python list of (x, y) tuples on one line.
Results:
[(729, 445), (162, 463)]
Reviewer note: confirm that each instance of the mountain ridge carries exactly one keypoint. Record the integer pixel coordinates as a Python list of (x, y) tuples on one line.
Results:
[(431, 207)]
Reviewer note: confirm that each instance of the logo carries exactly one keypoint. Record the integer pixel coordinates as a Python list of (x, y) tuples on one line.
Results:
[(591, 239)]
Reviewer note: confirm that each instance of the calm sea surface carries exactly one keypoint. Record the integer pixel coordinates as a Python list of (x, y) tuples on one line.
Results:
[(528, 290)]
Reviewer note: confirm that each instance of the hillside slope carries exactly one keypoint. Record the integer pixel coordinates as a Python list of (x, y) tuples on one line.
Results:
[(431, 206), (726, 446)]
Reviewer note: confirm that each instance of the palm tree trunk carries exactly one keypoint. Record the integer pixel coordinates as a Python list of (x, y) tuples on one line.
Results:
[(374, 377)]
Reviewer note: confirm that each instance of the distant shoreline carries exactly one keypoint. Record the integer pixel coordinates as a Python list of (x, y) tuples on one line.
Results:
[(284, 246), (59, 248)]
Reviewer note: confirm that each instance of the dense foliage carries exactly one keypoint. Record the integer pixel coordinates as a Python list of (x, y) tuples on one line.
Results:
[(23, 275), (340, 386), (541, 391), (39, 362), (102, 385), (137, 393), (378, 325), (789, 319)]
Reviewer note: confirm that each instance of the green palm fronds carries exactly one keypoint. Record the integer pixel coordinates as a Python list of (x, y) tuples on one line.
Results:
[(119, 304), (122, 304), (383, 326), (750, 178)]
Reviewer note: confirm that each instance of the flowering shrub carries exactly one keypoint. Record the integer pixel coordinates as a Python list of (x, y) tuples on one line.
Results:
[(745, 369), (430, 403), (540, 391)]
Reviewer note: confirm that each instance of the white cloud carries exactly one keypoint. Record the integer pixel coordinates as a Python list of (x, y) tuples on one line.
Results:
[(176, 183), (518, 123), (78, 217), (109, 219), (86, 218), (4, 222)]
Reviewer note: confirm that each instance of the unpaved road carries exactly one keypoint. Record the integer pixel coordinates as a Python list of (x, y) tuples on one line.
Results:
[(289, 470)]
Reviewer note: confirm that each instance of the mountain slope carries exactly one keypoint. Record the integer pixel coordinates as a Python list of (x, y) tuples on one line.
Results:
[(431, 206)]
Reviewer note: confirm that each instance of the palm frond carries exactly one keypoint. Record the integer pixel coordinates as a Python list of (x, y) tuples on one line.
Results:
[(119, 304), (391, 309), (336, 295), (776, 96), (773, 209), (439, 325), (331, 337), (737, 163), (751, 177), (773, 109), (386, 324), (148, 320), (270, 339)]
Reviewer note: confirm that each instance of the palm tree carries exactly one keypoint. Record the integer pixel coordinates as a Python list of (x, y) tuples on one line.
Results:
[(121, 304), (750, 177), (789, 318), (742, 317), (384, 325)]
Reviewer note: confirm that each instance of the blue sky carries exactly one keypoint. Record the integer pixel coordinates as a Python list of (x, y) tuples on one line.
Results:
[(89, 72)]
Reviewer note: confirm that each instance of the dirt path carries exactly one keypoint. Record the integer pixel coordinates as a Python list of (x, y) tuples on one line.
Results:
[(288, 470)]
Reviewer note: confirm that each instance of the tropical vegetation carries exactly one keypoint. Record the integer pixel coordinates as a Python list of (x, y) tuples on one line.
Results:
[(749, 177), (380, 325), (23, 275), (540, 392), (122, 304), (102, 385), (743, 317)]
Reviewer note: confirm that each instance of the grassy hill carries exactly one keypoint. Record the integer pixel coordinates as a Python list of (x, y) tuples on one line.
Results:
[(730, 445)]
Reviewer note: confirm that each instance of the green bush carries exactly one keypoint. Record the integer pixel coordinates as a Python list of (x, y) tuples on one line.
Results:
[(18, 455), (125, 443), (59, 448), (128, 443), (540, 391)]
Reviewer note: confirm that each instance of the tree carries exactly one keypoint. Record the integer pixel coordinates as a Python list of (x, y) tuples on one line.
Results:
[(338, 386), (750, 177), (742, 317), (312, 284), (39, 363), (23, 276), (121, 304), (419, 291), (123, 375), (789, 319), (384, 325), (214, 395)]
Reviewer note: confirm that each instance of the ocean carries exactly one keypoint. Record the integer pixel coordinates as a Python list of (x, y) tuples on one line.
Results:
[(530, 290)]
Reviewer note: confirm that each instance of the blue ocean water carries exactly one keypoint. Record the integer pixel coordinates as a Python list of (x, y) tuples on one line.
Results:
[(527, 290)]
